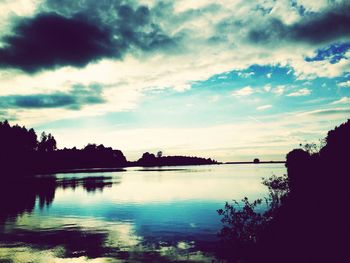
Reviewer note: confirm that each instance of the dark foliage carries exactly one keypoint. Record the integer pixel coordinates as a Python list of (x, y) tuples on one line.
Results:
[(149, 159), (91, 156), (245, 222), (21, 153), (307, 218)]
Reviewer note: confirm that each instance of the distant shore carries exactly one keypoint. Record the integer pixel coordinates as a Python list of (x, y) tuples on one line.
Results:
[(255, 162), (120, 169), (88, 170), (146, 168)]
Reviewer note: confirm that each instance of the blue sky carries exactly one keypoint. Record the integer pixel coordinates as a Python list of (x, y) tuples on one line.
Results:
[(231, 80)]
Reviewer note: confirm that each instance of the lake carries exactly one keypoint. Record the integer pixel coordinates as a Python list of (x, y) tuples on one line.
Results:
[(140, 214)]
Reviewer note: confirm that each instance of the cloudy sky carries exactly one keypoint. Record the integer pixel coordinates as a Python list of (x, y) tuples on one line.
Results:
[(231, 80)]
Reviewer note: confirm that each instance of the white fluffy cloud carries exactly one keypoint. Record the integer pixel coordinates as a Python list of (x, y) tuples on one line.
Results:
[(212, 41), (246, 91), (345, 84), (264, 107), (301, 92), (343, 100)]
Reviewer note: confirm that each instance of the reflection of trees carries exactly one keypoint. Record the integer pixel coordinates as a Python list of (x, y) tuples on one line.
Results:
[(76, 241), (20, 196), (100, 239), (90, 184), (17, 197)]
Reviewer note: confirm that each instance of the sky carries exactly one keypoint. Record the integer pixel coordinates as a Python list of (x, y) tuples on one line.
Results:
[(231, 80)]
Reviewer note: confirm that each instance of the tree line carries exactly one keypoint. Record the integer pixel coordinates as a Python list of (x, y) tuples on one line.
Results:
[(22, 152), (305, 218)]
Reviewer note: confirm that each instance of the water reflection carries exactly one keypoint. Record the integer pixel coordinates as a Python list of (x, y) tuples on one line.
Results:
[(139, 215), (20, 196), (90, 184), (51, 238)]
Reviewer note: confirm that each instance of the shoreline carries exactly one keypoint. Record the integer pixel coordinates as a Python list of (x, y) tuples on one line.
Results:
[(268, 162), (143, 168), (120, 169)]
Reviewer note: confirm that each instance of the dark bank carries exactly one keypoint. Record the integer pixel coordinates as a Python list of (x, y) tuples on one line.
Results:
[(297, 217), (23, 153)]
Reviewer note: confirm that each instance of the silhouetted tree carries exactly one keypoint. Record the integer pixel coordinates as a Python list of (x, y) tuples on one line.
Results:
[(21, 153), (42, 142), (51, 144), (244, 222), (308, 219), (149, 159), (47, 143), (17, 147)]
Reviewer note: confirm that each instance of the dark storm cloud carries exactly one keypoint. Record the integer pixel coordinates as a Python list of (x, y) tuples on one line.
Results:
[(49, 40), (78, 97), (77, 33), (330, 25), (131, 24)]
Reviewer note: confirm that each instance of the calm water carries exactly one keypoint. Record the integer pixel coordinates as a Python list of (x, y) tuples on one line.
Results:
[(152, 215)]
